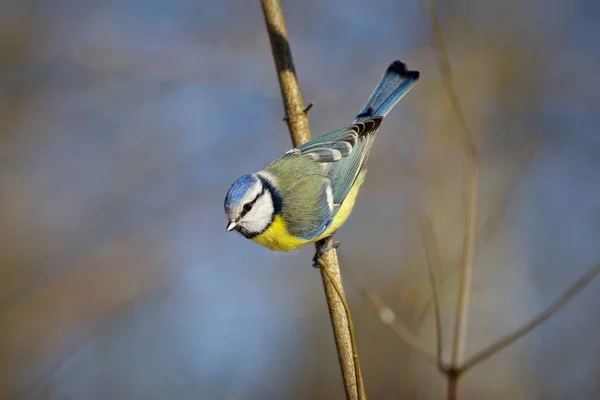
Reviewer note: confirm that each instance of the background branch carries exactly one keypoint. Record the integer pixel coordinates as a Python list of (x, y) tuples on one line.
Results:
[(432, 254), (295, 117), (486, 232), (387, 315), (470, 207), (559, 303)]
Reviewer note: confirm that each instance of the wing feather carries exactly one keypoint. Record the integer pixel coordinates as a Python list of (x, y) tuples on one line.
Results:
[(346, 151), (316, 177)]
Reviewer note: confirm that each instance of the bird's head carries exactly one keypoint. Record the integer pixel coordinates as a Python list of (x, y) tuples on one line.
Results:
[(249, 206)]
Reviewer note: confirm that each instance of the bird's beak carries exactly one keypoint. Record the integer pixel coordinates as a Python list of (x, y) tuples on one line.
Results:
[(230, 226)]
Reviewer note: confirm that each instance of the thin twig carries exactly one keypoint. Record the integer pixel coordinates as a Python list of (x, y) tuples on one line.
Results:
[(297, 122), (470, 210), (342, 330), (559, 303), (387, 315), (350, 327), (466, 270), (484, 234), (457, 366), (470, 195), (453, 378), (446, 71), (432, 254), (284, 64)]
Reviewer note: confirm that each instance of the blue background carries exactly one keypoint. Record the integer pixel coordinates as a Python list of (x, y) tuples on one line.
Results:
[(123, 123)]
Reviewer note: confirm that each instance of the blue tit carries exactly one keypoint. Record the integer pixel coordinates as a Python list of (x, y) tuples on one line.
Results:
[(308, 193)]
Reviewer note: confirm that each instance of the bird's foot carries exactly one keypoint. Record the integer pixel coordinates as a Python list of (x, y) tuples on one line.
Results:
[(324, 248)]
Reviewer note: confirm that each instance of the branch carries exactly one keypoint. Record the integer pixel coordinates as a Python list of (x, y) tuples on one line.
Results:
[(470, 198), (297, 122), (387, 315), (484, 234), (432, 254), (295, 116), (559, 303), (457, 367), (340, 294), (470, 207)]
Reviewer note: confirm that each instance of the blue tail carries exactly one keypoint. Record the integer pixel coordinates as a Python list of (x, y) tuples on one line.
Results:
[(394, 84)]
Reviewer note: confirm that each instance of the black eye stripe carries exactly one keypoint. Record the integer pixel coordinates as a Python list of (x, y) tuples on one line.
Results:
[(251, 202)]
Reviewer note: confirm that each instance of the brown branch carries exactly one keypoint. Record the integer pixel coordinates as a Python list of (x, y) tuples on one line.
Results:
[(453, 378), (470, 207), (470, 193), (297, 122), (559, 303), (432, 254), (295, 115), (341, 296), (457, 367), (484, 234), (387, 315)]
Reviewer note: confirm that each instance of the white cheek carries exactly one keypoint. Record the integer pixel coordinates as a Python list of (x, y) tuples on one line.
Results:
[(259, 218)]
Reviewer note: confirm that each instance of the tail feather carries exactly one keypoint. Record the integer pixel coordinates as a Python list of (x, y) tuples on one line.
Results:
[(395, 83)]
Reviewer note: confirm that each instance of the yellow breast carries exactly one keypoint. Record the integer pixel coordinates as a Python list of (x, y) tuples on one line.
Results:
[(276, 236)]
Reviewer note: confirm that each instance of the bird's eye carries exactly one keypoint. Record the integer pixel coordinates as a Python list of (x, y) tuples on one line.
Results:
[(247, 207)]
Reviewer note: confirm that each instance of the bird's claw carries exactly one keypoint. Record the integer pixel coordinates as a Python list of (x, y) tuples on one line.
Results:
[(321, 250)]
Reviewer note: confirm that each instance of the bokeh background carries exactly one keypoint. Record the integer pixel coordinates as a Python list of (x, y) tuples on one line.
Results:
[(123, 123)]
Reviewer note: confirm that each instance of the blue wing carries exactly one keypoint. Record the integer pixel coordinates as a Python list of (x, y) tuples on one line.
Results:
[(348, 149), (341, 156), (326, 166), (345, 151)]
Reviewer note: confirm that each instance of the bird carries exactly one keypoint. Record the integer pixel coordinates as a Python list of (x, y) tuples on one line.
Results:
[(306, 194)]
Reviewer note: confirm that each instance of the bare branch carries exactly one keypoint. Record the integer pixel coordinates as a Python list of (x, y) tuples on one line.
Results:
[(484, 234), (290, 90), (432, 254), (350, 326), (387, 315), (446, 71), (297, 122), (559, 303), (470, 210), (453, 377), (469, 193), (342, 330)]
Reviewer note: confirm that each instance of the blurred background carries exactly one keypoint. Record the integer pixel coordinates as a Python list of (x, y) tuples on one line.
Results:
[(123, 123)]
